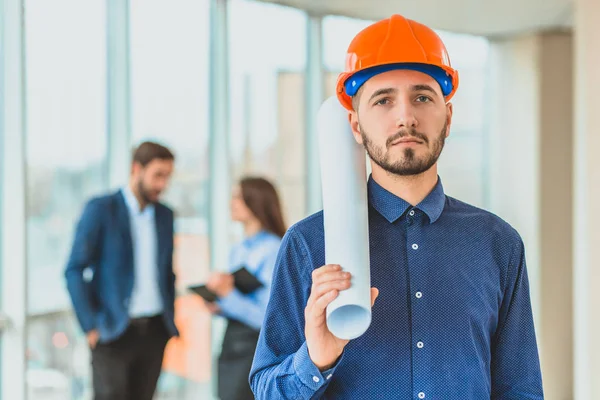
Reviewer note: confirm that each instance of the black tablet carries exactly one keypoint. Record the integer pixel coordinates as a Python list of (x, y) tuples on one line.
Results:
[(245, 281), (205, 293)]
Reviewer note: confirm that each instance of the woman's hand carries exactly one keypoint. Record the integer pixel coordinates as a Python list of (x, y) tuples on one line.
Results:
[(220, 283), (212, 308)]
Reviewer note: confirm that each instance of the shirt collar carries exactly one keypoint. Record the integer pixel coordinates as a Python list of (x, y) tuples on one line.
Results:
[(392, 207), (132, 203)]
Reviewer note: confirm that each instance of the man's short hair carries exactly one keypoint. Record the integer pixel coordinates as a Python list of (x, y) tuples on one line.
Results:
[(148, 151), (356, 99)]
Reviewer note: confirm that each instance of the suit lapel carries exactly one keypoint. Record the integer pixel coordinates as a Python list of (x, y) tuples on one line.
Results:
[(124, 224), (161, 245)]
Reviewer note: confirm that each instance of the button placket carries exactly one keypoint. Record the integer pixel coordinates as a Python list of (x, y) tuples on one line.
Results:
[(416, 258)]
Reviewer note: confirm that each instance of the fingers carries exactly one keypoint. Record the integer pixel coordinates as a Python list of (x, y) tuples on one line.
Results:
[(374, 294), (325, 269), (218, 279), (320, 305), (334, 283), (326, 279), (328, 274), (92, 341), (327, 283), (213, 281)]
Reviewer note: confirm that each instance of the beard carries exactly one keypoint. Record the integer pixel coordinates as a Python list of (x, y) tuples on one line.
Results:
[(409, 163), (148, 196)]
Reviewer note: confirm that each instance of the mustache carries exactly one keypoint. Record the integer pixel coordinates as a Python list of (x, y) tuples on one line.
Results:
[(406, 133)]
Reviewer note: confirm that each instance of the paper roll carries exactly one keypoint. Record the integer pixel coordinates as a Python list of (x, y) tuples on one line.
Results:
[(345, 213)]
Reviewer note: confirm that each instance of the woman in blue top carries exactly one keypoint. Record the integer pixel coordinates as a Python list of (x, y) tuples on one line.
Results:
[(256, 205)]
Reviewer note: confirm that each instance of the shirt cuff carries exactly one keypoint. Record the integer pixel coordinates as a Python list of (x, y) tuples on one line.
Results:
[(88, 324), (231, 299), (307, 371)]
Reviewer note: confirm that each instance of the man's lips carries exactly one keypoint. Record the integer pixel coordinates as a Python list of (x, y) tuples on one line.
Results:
[(406, 141)]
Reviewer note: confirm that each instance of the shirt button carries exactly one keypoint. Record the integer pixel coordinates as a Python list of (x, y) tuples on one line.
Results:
[(419, 295), (329, 376), (316, 379), (420, 345), (421, 395), (411, 213), (415, 246)]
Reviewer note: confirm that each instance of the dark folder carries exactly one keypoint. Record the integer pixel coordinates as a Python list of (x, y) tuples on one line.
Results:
[(245, 281), (205, 293)]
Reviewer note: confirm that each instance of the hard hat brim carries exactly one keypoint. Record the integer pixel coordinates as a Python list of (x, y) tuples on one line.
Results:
[(349, 83)]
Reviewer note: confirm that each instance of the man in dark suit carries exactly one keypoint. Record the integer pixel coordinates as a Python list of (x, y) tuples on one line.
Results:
[(121, 281)]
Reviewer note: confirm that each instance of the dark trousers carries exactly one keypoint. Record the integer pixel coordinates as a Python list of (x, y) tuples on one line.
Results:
[(128, 368), (235, 362)]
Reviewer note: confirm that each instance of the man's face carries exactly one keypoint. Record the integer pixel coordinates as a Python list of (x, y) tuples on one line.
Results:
[(152, 179), (402, 120)]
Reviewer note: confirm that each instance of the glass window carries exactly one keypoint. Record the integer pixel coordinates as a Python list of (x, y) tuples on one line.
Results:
[(267, 66), (66, 165), (169, 97)]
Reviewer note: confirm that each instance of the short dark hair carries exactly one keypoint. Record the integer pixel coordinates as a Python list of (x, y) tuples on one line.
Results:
[(356, 98), (146, 152)]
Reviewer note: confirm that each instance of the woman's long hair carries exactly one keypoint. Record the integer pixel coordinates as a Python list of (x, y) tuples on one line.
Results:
[(262, 199)]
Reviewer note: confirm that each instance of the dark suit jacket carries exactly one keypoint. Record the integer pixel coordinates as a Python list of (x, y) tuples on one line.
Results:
[(103, 243)]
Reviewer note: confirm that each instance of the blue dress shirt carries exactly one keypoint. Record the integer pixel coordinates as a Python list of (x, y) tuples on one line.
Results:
[(146, 298), (453, 319), (257, 253)]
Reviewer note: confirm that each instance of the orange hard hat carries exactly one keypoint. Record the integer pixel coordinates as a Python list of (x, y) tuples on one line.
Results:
[(395, 43)]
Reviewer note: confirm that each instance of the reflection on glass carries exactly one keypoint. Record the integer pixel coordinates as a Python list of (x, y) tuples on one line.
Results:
[(66, 164)]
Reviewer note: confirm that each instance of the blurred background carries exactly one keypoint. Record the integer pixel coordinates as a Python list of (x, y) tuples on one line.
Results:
[(232, 87)]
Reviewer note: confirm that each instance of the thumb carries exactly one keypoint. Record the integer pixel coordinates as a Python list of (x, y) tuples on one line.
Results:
[(374, 294)]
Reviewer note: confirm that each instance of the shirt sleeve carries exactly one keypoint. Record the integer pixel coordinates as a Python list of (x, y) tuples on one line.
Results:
[(516, 373), (84, 253), (282, 368), (250, 309)]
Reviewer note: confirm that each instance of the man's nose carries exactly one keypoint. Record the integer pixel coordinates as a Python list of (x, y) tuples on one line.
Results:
[(405, 116)]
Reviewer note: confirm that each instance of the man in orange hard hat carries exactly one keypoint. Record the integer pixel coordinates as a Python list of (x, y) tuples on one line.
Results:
[(453, 316)]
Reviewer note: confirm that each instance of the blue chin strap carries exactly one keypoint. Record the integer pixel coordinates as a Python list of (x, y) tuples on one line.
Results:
[(354, 83)]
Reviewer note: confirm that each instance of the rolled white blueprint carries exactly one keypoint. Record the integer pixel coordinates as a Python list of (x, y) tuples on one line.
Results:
[(345, 214)]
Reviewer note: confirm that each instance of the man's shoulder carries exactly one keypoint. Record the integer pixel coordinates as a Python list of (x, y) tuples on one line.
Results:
[(308, 227), (306, 235), (480, 219), (102, 201)]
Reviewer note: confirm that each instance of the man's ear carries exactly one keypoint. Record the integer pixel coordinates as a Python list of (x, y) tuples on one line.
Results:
[(355, 126), (449, 112), (136, 167)]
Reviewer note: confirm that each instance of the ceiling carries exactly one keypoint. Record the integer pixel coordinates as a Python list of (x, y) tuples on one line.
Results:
[(478, 17)]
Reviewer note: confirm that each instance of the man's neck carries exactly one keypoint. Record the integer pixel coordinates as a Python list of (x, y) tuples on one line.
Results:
[(141, 203), (412, 189), (252, 227)]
